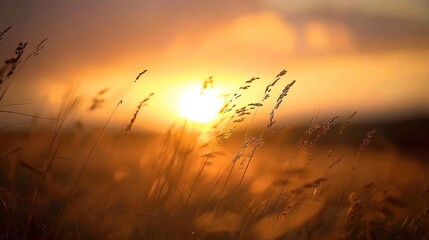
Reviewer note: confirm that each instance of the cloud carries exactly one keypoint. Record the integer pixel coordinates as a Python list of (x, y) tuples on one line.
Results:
[(411, 9), (321, 36), (261, 34), (374, 25)]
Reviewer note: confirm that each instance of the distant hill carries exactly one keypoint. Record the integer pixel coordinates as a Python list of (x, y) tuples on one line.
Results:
[(407, 136)]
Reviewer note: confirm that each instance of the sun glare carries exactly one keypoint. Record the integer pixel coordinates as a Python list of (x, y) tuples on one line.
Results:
[(200, 106)]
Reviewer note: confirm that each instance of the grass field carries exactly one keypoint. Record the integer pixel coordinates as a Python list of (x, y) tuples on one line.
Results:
[(326, 179)]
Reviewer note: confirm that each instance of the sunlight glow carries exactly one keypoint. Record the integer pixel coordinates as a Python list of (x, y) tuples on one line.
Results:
[(200, 106)]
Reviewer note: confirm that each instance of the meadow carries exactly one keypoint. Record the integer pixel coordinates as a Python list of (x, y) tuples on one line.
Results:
[(227, 179)]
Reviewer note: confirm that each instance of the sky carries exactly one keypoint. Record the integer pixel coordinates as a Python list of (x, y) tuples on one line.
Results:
[(346, 55)]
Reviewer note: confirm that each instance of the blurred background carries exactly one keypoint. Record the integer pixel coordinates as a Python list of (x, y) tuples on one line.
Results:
[(347, 56)]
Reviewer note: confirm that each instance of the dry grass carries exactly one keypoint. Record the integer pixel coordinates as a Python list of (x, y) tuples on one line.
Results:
[(241, 183)]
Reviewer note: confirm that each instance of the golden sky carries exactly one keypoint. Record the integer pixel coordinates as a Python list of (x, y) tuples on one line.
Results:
[(346, 55)]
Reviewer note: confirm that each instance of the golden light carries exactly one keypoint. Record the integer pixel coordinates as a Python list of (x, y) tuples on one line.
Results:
[(199, 105)]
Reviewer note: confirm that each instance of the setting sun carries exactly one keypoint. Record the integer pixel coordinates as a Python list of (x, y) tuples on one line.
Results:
[(200, 106)]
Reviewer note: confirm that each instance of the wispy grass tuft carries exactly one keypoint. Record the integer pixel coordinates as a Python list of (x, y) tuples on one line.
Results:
[(143, 103)]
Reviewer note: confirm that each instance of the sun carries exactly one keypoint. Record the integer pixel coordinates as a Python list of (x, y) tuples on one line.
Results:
[(201, 106)]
